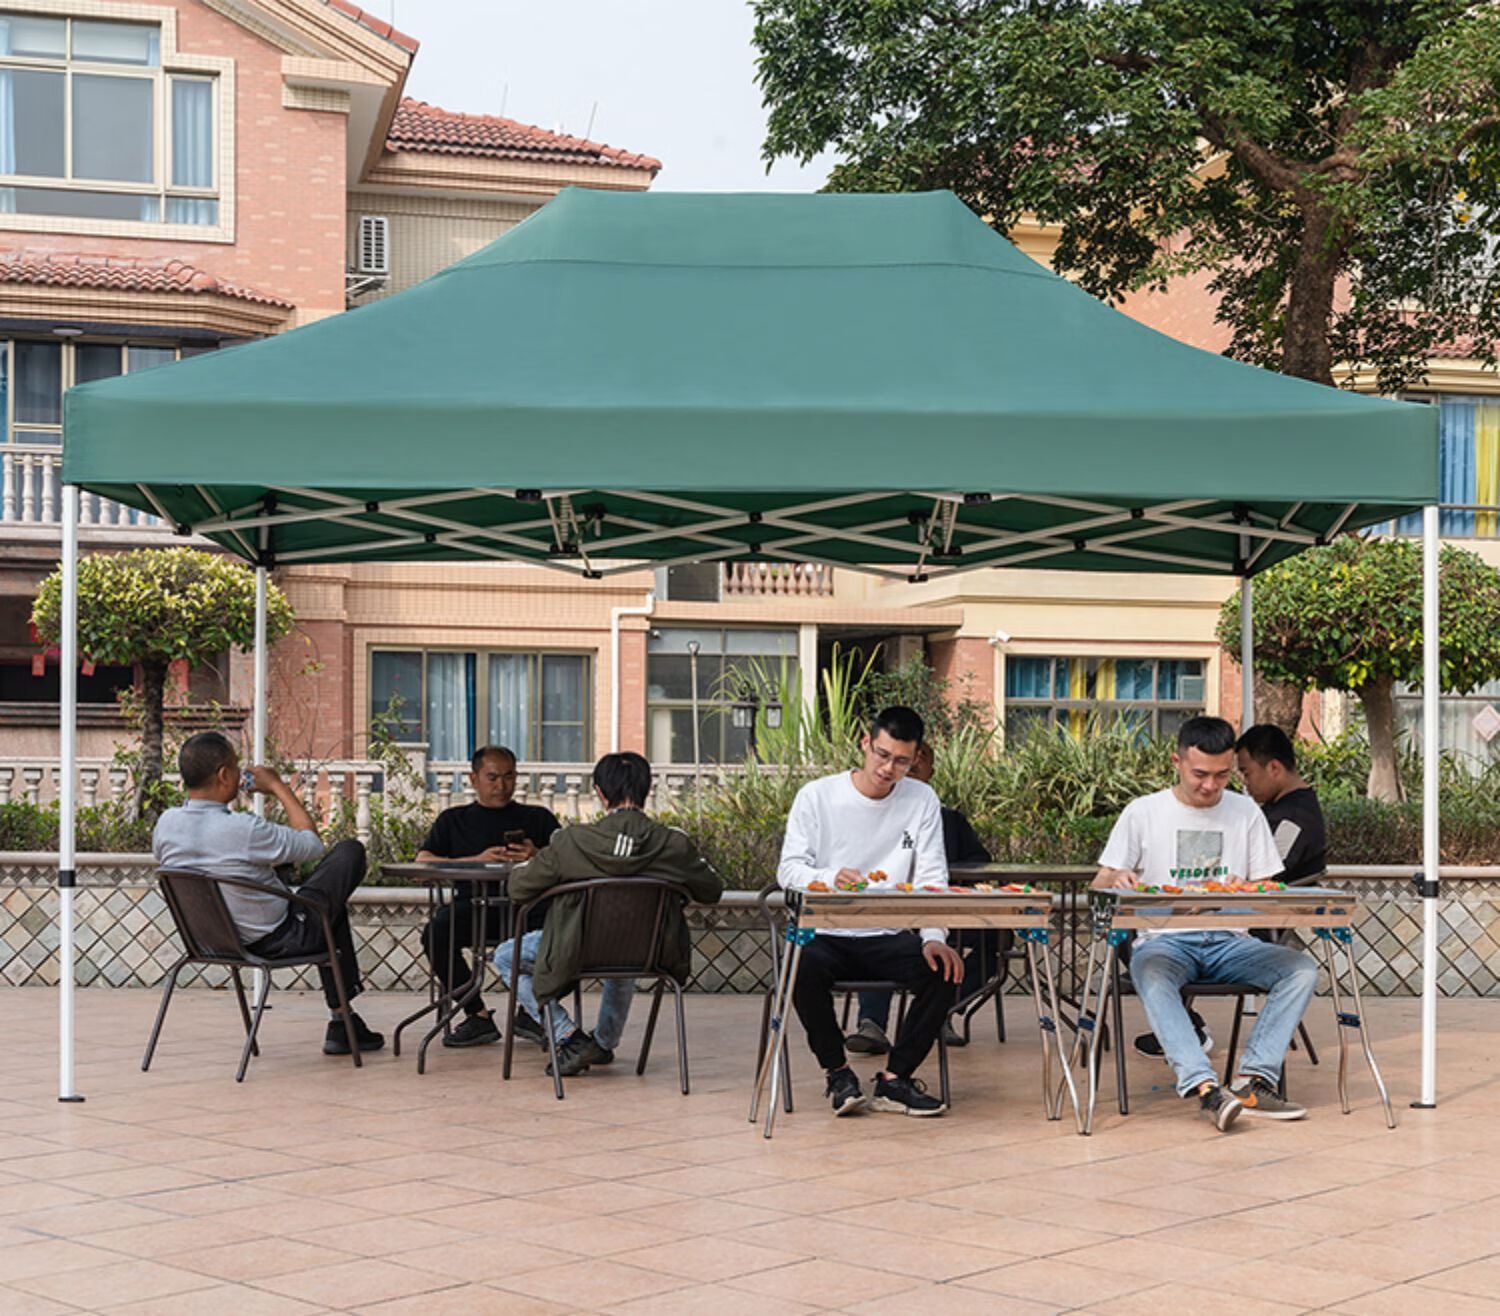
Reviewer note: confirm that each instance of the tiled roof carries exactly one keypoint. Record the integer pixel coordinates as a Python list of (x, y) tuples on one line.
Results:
[(376, 25), (418, 126), (121, 274)]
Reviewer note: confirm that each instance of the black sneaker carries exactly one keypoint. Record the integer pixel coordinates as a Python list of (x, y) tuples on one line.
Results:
[(1220, 1106), (868, 1039), (1149, 1045), (905, 1096), (843, 1087), (528, 1030), (1261, 1099), (476, 1030), (336, 1043), (578, 1052)]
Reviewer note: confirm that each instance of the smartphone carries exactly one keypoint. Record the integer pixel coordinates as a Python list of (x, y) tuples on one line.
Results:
[(247, 781), (515, 837)]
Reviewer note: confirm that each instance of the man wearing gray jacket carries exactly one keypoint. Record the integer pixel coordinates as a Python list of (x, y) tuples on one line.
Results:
[(623, 843)]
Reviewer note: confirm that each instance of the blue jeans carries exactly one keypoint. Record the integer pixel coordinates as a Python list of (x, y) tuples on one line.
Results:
[(614, 1002), (1162, 966)]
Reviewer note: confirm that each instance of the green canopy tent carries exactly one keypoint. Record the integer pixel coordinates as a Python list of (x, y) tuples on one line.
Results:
[(874, 381)]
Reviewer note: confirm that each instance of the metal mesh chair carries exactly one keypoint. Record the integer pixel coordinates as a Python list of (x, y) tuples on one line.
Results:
[(209, 936), (624, 924)]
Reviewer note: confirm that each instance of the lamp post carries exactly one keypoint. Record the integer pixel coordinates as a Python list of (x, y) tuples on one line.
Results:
[(692, 648), (743, 713)]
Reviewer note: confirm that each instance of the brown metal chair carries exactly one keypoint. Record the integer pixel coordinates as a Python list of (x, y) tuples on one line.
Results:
[(621, 934), (775, 920), (209, 936)]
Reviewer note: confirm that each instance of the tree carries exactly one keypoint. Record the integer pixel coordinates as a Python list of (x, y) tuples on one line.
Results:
[(153, 607), (1332, 163), (1349, 617)]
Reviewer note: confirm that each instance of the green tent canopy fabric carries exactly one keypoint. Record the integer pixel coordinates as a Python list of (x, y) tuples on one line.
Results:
[(875, 380)]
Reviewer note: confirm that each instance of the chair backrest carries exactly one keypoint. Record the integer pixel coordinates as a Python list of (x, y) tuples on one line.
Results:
[(623, 923), (202, 917), (775, 916)]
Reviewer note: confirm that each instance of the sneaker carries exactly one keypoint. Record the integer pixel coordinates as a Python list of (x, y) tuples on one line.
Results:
[(1149, 1045), (476, 1030), (336, 1043), (528, 1030), (1261, 1100), (868, 1039), (578, 1052), (843, 1088), (905, 1096), (1221, 1106)]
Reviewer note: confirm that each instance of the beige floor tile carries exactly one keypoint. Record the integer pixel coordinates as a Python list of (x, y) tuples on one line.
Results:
[(228, 1299), (710, 1300), (488, 1260), (1190, 1298), (116, 1282), (1416, 1300), (348, 1284), (1061, 1283), (825, 1284), (707, 1262), (1480, 1279), (1275, 1280), (590, 1285), (951, 1300), (1151, 1257), (259, 1258), (174, 1235), (47, 1256), (15, 1303), (387, 1237), (602, 1237)]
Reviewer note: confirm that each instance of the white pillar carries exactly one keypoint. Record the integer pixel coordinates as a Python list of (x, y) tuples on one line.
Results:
[(67, 800), (1247, 654), (807, 671), (1431, 696), (258, 715)]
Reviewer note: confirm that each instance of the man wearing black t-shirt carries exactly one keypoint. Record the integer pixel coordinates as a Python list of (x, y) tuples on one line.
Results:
[(494, 829), (1268, 764)]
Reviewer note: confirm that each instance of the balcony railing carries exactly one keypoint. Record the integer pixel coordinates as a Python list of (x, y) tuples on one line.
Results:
[(759, 579), (31, 494)]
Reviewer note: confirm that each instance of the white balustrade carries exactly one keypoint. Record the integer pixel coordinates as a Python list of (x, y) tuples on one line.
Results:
[(31, 493), (7, 775), (364, 783)]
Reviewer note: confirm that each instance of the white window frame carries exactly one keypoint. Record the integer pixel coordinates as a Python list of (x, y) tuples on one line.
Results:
[(172, 63), (374, 232)]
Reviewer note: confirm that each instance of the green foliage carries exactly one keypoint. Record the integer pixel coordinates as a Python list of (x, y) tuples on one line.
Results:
[(1341, 616), (161, 604), (106, 828), (1287, 148)]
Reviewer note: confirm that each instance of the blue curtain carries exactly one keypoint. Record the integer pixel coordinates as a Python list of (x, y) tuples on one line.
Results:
[(1134, 678), (1028, 678), (1456, 468), (510, 702)]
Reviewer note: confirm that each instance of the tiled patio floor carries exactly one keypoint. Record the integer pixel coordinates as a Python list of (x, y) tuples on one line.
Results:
[(314, 1187)]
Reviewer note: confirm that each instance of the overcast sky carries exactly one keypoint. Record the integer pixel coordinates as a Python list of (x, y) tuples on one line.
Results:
[(669, 78)]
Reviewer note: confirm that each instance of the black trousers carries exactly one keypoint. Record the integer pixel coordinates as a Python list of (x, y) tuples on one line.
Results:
[(446, 941), (892, 956), (331, 884)]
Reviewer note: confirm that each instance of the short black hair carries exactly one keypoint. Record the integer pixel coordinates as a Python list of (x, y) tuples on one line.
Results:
[(201, 757), (623, 779), (1212, 735), (1265, 743), (491, 751), (899, 723)]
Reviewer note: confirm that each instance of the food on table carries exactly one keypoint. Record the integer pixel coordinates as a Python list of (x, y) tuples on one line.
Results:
[(818, 886), (876, 875)]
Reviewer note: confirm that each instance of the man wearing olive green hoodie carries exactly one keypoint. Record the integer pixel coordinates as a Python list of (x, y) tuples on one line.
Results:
[(623, 843)]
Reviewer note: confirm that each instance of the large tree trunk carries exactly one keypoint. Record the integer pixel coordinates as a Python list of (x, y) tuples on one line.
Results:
[(1378, 698), (153, 697), (1306, 351), (1278, 704)]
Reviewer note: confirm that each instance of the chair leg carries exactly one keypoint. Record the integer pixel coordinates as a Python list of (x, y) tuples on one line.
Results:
[(943, 1089), (578, 1003), (557, 1086), (1234, 1038), (844, 1018), (640, 1065), (1117, 1027), (239, 990), (682, 1060), (250, 1049), (161, 1013), (1312, 1055), (1000, 1010)]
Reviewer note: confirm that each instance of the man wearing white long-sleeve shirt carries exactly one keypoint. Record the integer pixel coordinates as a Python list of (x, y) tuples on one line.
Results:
[(872, 828)]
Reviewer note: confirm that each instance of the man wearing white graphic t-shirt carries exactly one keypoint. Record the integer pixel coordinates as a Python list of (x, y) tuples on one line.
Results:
[(874, 827), (1189, 834)]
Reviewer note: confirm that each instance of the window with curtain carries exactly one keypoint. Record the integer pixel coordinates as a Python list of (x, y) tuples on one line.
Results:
[(93, 127), (1156, 694), (538, 704), (1468, 466)]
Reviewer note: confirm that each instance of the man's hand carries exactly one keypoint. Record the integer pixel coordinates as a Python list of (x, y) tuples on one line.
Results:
[(267, 781), (1110, 879), (849, 879), (942, 958), (264, 779), (494, 855), (517, 852)]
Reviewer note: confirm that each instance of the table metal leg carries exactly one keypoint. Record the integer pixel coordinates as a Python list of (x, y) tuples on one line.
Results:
[(774, 1029), (778, 1025), (434, 997), (1338, 1018), (1347, 1019), (457, 999), (1106, 990), (1051, 1037)]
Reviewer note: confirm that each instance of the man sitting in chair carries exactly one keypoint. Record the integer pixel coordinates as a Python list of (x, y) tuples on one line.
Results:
[(876, 827), (623, 843), (1190, 833), (203, 836)]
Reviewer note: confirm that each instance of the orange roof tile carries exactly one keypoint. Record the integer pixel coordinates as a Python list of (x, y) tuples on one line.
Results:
[(376, 25), (121, 274), (420, 127)]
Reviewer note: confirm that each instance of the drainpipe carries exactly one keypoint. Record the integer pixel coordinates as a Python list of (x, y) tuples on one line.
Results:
[(614, 663)]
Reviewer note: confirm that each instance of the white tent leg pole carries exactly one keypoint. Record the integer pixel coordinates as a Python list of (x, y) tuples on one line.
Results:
[(67, 836), (1428, 883), (262, 983), (1247, 654)]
